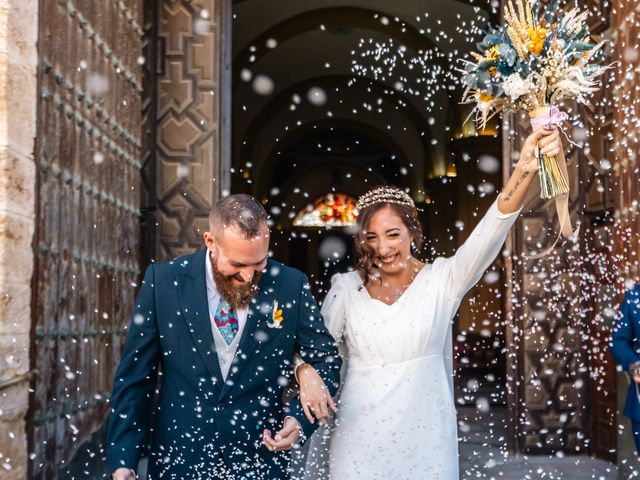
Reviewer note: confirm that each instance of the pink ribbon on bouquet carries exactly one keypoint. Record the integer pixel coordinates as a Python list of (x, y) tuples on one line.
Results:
[(554, 120)]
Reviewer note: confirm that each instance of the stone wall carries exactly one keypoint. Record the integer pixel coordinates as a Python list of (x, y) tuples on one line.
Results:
[(18, 86)]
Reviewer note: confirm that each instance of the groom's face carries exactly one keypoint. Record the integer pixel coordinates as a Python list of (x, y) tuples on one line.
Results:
[(236, 257)]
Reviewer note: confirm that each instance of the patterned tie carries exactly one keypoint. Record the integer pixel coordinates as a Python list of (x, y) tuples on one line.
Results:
[(227, 321)]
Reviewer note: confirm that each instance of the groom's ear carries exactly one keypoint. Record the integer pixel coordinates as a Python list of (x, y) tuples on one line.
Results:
[(209, 240)]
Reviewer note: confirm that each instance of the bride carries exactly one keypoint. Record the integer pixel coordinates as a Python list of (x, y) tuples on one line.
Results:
[(392, 319)]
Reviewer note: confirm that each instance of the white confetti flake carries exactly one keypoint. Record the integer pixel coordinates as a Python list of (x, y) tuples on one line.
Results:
[(317, 96), (263, 85)]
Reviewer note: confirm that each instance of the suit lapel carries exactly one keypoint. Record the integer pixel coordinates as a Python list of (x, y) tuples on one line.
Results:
[(251, 339), (192, 290)]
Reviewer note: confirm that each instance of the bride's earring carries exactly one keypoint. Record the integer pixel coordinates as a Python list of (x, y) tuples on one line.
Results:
[(414, 248)]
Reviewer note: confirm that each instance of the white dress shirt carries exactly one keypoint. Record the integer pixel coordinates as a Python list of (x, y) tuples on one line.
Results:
[(226, 353)]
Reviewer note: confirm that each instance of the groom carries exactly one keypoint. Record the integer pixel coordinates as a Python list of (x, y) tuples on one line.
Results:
[(208, 356)]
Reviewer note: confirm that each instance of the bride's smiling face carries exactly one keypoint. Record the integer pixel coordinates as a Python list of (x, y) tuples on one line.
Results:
[(389, 239)]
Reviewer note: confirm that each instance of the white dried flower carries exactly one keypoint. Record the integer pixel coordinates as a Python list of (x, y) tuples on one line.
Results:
[(515, 87)]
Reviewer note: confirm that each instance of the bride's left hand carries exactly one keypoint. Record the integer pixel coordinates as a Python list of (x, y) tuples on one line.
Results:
[(314, 395)]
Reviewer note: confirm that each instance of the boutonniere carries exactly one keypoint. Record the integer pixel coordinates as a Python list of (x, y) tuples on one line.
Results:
[(276, 316)]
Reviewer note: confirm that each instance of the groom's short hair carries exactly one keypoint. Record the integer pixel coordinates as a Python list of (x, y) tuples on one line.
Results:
[(240, 210)]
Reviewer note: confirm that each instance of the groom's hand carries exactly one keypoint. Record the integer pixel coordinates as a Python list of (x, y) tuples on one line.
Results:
[(286, 438)]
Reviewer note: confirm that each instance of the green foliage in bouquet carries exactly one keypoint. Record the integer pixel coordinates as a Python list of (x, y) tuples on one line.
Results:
[(539, 57)]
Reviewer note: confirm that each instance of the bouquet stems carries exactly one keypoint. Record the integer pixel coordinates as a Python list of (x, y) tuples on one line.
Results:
[(552, 180)]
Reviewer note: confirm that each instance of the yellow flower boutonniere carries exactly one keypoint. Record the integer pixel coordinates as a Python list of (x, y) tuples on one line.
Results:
[(276, 316)]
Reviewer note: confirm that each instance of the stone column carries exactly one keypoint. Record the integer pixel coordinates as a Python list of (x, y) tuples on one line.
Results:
[(18, 91)]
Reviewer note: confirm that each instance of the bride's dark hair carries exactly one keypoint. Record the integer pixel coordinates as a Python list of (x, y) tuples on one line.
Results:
[(364, 254)]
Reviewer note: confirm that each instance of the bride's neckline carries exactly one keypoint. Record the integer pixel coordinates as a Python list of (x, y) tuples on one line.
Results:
[(404, 292)]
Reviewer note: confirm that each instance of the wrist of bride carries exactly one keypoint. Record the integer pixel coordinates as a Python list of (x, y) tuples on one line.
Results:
[(303, 370)]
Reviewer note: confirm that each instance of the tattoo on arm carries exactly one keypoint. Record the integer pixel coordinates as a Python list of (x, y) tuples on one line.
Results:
[(515, 187)]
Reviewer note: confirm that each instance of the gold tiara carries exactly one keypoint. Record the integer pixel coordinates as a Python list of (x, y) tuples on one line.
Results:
[(384, 195)]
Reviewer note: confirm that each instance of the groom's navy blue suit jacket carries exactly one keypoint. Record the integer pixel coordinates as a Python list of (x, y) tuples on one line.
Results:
[(196, 420), (625, 345)]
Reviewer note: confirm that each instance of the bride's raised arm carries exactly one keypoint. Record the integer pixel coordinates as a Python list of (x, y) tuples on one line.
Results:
[(465, 268)]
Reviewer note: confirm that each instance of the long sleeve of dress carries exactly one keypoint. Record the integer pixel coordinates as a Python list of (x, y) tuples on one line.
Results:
[(462, 271), (334, 312), (448, 356), (333, 308)]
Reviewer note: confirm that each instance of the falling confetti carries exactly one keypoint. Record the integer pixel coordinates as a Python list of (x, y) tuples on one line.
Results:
[(263, 85)]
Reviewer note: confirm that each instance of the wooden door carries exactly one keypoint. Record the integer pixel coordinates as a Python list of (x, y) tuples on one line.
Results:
[(88, 151)]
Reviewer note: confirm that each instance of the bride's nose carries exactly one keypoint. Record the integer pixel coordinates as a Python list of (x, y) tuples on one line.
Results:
[(383, 248)]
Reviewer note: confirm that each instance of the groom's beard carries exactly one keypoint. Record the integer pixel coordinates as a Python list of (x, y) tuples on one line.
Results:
[(237, 296)]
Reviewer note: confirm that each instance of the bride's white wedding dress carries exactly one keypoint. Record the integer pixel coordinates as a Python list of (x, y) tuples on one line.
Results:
[(396, 417)]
